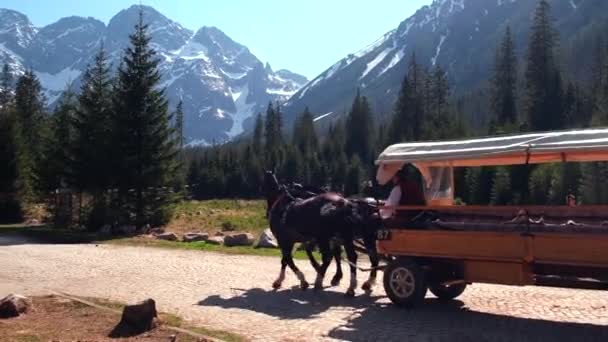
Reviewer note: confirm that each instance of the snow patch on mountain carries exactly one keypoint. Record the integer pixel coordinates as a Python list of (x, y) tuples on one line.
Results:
[(243, 110), (394, 61), (59, 81), (438, 50), (322, 116), (379, 58), (193, 50), (574, 6)]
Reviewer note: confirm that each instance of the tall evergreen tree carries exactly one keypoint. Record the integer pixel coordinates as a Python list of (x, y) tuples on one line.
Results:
[(90, 169), (57, 147), (543, 81), (179, 124), (148, 158), (304, 135), (6, 86), (258, 133), (30, 121), (359, 129), (408, 116), (504, 83)]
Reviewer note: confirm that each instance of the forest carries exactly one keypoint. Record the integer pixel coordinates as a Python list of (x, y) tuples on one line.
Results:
[(528, 91), (116, 142)]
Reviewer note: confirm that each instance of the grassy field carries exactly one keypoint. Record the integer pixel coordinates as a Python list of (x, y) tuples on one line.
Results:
[(215, 215), (202, 216), (83, 322)]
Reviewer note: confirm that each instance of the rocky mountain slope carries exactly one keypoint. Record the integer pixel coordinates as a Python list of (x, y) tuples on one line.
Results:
[(221, 83), (459, 35)]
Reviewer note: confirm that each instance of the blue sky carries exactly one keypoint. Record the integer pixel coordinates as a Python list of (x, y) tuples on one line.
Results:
[(305, 36)]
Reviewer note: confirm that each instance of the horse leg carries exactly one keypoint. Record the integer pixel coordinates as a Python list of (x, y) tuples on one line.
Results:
[(337, 251), (326, 256), (370, 246), (351, 254), (289, 260), (277, 283), (285, 251), (309, 250)]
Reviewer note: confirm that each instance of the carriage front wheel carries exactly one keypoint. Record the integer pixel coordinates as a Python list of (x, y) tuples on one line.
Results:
[(405, 282)]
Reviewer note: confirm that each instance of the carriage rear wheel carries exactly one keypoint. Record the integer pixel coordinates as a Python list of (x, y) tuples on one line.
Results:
[(447, 292), (405, 282)]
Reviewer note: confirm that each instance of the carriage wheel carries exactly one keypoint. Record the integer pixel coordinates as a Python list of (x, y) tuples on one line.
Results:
[(405, 283), (447, 292)]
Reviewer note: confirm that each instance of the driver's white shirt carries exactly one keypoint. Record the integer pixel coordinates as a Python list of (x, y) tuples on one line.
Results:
[(392, 201)]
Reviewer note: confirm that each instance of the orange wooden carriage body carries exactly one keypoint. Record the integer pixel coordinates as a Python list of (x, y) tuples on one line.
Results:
[(488, 249)]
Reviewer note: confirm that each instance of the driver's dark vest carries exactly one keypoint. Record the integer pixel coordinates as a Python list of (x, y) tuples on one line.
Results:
[(411, 194)]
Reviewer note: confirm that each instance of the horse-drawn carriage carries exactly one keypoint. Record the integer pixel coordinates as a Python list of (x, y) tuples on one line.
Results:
[(451, 246)]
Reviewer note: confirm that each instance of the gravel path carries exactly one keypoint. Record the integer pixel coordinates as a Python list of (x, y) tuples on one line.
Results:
[(233, 293)]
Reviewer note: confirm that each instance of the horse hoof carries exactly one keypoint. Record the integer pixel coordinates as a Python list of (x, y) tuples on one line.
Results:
[(335, 281), (318, 287), (367, 287), (276, 285), (304, 285), (350, 293)]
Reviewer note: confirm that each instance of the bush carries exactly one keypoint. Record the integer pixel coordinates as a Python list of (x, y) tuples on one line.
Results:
[(10, 211)]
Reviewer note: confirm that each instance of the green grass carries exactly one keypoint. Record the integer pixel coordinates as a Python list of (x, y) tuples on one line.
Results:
[(209, 216), (203, 246)]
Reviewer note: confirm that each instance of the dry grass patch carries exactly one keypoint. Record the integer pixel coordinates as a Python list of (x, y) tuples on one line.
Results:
[(56, 318)]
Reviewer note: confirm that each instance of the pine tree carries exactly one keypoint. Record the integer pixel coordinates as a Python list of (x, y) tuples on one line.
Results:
[(543, 82), (501, 187), (258, 132), (90, 169), (408, 117), (179, 125), (504, 83), (31, 128), (304, 135), (57, 156), (6, 86), (359, 129), (148, 157), (438, 124)]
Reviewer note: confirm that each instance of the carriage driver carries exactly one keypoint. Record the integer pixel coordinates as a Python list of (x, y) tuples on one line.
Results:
[(405, 192)]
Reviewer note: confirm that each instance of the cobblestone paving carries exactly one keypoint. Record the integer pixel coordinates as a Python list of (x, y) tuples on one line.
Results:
[(233, 293)]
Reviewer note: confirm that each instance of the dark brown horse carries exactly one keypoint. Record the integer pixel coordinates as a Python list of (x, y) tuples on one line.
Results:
[(321, 219)]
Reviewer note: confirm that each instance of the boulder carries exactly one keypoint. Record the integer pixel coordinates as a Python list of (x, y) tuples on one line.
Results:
[(14, 305), (105, 229), (267, 240), (136, 319), (157, 230), (215, 240), (239, 239), (168, 236), (193, 237), (127, 230)]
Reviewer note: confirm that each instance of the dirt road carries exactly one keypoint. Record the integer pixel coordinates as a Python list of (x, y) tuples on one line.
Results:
[(234, 293)]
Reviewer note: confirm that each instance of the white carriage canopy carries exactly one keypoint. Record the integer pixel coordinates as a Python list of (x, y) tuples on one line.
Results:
[(533, 148)]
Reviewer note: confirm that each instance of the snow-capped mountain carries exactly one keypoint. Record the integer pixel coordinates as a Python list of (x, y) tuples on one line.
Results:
[(221, 83), (459, 35)]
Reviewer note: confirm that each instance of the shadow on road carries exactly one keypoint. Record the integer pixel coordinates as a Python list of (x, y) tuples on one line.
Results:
[(434, 321), (288, 304)]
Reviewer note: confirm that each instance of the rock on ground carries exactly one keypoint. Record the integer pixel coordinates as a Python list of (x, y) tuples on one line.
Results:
[(193, 237), (14, 305), (267, 240), (215, 240), (167, 236), (239, 239)]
